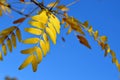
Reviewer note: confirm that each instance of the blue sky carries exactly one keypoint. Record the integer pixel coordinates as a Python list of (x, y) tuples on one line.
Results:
[(71, 60)]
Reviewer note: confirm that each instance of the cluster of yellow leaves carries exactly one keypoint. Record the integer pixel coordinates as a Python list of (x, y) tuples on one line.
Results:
[(102, 41), (3, 7), (77, 26), (73, 24), (45, 25), (8, 39)]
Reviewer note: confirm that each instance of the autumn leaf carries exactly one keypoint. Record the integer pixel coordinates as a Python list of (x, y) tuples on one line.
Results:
[(53, 4), (34, 63), (103, 39), (26, 62), (55, 21), (20, 20), (1, 58), (34, 31), (62, 8), (112, 53), (18, 34), (90, 30), (96, 34), (86, 24), (63, 39), (22, 0), (39, 54), (4, 49), (43, 47), (51, 34), (45, 38), (31, 41), (83, 41), (9, 44), (8, 30), (29, 50), (13, 39)]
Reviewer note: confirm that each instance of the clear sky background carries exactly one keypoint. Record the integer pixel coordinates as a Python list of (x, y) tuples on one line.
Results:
[(71, 60)]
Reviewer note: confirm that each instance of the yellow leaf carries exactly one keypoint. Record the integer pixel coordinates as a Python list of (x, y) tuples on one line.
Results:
[(69, 30), (18, 34), (29, 50), (13, 38), (77, 28), (34, 63), (2, 39), (42, 17), (96, 35), (66, 25), (107, 49), (31, 41), (0, 12), (53, 4), (90, 30), (43, 46), (112, 53), (34, 31), (55, 21), (83, 41), (117, 63), (39, 54), (1, 56), (51, 27), (62, 8), (9, 45), (103, 39), (4, 49), (46, 41), (8, 30), (51, 34), (37, 24), (114, 59), (119, 67), (26, 62), (86, 24)]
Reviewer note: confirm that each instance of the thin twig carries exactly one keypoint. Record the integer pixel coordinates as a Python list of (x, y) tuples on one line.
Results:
[(57, 1), (39, 4), (19, 12), (72, 3)]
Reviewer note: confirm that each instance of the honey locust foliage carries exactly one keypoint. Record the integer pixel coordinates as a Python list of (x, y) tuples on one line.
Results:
[(45, 25)]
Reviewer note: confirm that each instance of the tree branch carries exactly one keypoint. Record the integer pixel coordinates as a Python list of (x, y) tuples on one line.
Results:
[(39, 4)]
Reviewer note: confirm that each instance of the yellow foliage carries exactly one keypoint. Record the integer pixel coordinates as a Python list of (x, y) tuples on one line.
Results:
[(31, 41), (1, 56)]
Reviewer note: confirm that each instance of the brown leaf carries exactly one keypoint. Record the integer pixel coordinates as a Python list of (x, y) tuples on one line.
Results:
[(22, 0), (63, 39), (20, 20), (101, 44), (83, 41), (86, 24), (1, 58), (112, 53), (62, 8)]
